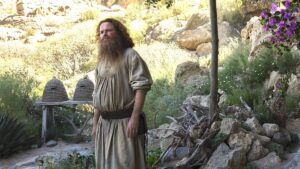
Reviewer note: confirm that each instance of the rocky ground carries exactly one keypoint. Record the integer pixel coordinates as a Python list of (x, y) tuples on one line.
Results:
[(27, 159)]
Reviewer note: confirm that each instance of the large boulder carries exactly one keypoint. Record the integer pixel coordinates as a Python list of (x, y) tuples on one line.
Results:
[(252, 8), (198, 19), (199, 39), (186, 70), (255, 34)]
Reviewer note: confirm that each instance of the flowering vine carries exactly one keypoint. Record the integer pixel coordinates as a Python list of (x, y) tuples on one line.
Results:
[(282, 22)]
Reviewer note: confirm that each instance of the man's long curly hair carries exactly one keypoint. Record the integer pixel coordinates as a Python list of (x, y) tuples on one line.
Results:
[(121, 31)]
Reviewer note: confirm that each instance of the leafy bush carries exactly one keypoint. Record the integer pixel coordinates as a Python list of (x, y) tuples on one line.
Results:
[(16, 95), (17, 139), (152, 157)]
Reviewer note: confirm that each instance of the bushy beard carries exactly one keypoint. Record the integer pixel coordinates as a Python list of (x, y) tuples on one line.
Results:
[(110, 50)]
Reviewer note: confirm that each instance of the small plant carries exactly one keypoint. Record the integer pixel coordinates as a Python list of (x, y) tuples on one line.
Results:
[(277, 148), (89, 14), (152, 157), (219, 138), (74, 160), (14, 136), (249, 166)]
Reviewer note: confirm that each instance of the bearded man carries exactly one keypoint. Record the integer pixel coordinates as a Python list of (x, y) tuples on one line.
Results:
[(122, 81)]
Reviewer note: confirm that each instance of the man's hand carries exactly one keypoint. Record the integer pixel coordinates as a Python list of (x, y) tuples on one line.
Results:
[(133, 126)]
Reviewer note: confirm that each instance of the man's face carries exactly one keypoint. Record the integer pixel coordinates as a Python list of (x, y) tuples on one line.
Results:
[(107, 32)]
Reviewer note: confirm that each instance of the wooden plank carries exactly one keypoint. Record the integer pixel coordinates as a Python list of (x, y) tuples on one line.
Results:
[(69, 102)]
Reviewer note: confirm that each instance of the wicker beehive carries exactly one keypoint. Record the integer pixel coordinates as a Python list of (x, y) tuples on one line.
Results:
[(54, 91), (84, 90)]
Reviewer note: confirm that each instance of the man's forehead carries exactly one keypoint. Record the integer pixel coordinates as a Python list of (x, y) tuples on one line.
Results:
[(106, 25)]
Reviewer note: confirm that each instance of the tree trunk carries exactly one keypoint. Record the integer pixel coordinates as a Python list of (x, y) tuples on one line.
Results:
[(214, 61)]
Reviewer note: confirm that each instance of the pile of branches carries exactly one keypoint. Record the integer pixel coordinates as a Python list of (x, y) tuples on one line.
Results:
[(194, 132)]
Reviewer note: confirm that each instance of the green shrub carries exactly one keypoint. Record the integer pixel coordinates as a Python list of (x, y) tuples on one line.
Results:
[(14, 136), (152, 157), (16, 95), (219, 138), (89, 14)]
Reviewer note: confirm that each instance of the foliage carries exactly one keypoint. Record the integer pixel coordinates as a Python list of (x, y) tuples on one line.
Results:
[(219, 138), (241, 77), (74, 160), (16, 94), (68, 54), (168, 3), (292, 102), (249, 166), (281, 20), (277, 148), (152, 157), (16, 139), (89, 14)]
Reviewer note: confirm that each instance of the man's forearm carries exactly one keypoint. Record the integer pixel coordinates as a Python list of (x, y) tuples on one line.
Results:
[(139, 100)]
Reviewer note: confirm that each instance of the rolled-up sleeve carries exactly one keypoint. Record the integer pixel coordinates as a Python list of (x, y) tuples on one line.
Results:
[(139, 74)]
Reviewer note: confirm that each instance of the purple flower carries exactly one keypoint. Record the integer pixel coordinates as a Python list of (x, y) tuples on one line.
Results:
[(289, 33), (265, 28), (287, 15), (263, 14), (278, 33), (287, 3), (282, 24), (273, 7), (293, 25), (272, 21)]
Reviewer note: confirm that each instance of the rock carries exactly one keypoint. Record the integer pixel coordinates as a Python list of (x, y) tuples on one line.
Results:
[(51, 143), (191, 39), (282, 137), (257, 151), (240, 139), (269, 161), (253, 32), (187, 69), (294, 85), (197, 19), (229, 126), (274, 77), (165, 30), (225, 158), (253, 8), (294, 163), (253, 123), (198, 100), (293, 125), (270, 129)]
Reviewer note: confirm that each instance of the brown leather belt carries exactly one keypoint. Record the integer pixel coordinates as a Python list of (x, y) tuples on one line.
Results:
[(120, 114)]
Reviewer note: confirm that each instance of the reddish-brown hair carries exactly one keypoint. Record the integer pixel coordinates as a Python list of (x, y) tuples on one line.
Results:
[(120, 29)]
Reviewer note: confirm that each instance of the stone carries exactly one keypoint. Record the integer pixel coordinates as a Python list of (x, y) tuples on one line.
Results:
[(229, 126), (270, 129), (269, 161), (224, 158), (240, 139), (51, 143), (253, 123), (257, 151)]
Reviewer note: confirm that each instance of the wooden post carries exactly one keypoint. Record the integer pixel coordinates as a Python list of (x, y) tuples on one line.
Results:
[(44, 124)]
